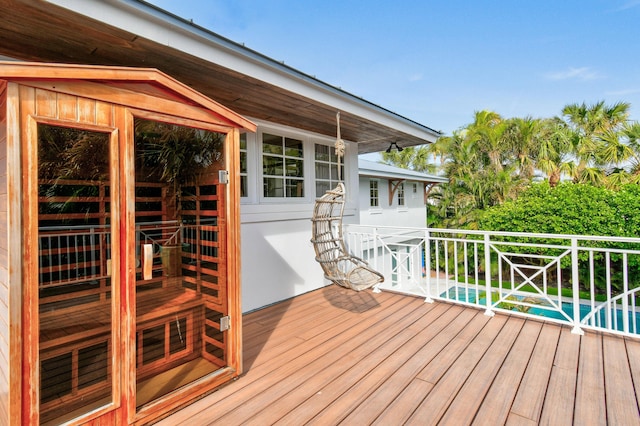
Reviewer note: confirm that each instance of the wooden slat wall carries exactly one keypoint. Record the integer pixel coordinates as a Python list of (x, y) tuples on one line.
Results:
[(4, 264), (75, 109)]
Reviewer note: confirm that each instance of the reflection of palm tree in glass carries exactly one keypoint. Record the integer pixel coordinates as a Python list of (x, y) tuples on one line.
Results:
[(175, 154), (72, 164), (66, 153)]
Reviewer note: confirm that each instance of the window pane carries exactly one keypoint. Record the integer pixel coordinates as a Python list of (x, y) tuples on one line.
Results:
[(243, 186), (272, 166), (243, 162), (322, 152), (295, 188), (334, 172), (295, 168), (373, 193), (271, 144), (273, 187), (243, 141), (293, 147), (321, 188), (74, 279), (322, 171)]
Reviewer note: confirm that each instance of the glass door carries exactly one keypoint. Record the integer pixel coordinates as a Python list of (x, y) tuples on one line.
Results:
[(75, 295), (180, 257)]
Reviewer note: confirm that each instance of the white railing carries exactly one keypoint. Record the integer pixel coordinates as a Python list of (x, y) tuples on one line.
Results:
[(586, 281)]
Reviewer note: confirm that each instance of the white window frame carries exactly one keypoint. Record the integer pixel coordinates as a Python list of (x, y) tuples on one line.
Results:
[(245, 174), (332, 163), (305, 168), (257, 208), (377, 196)]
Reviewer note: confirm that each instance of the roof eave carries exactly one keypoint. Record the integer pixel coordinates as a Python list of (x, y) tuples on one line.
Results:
[(146, 20)]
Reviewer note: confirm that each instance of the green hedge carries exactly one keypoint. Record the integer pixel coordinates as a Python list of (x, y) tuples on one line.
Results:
[(578, 210)]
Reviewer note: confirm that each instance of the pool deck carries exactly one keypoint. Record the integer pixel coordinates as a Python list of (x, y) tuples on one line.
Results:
[(334, 356)]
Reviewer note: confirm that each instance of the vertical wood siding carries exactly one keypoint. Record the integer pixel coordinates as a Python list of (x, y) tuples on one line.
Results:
[(4, 264)]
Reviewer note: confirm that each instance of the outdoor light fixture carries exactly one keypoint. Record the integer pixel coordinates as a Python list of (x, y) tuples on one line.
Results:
[(399, 148)]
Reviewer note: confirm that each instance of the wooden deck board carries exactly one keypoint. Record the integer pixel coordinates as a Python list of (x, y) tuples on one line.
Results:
[(334, 356), (620, 394), (445, 390), (533, 386), (561, 390), (590, 398), (327, 383), (313, 364), (361, 402), (633, 354), (496, 403), (341, 385)]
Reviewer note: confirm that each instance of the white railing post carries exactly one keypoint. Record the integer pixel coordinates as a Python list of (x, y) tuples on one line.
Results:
[(487, 275), (575, 287), (427, 263), (625, 292), (376, 288)]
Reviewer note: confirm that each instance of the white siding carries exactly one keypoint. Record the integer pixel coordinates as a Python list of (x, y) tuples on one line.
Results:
[(412, 214), (278, 260)]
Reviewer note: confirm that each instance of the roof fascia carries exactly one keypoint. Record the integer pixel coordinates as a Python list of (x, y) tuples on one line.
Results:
[(409, 177)]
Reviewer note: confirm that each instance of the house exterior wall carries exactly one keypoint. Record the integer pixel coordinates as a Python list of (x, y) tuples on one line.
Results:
[(412, 214), (278, 260)]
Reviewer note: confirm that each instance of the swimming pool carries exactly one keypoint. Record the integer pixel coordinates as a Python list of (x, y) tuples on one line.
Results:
[(469, 295)]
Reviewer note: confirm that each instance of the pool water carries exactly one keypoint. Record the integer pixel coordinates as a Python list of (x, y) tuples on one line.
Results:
[(469, 296)]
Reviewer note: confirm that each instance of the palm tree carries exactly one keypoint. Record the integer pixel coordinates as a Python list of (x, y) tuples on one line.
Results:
[(414, 158), (621, 152), (590, 124), (523, 136), (399, 158), (488, 130), (421, 160), (440, 149)]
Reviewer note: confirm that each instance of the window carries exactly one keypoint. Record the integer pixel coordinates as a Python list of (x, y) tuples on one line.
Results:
[(326, 169), (401, 194), (282, 166), (415, 188), (373, 193), (243, 165)]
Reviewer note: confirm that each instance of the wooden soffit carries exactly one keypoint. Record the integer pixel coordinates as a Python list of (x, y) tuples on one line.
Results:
[(41, 31)]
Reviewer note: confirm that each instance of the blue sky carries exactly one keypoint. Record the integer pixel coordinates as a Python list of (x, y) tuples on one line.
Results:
[(436, 62)]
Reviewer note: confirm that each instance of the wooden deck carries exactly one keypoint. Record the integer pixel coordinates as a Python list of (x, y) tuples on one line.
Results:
[(334, 356)]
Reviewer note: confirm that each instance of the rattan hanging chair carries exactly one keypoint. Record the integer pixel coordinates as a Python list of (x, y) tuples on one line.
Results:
[(338, 264)]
